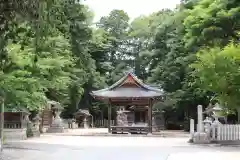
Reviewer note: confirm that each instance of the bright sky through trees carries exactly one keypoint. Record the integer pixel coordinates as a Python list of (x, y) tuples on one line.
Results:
[(134, 8)]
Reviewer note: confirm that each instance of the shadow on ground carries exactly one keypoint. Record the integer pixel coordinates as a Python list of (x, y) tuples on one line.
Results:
[(39, 146)]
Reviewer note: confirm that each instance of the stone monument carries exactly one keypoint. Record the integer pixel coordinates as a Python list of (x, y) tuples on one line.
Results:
[(200, 118), (200, 137), (191, 130)]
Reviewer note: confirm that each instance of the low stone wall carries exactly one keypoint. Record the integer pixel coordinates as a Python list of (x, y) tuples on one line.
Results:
[(15, 134)]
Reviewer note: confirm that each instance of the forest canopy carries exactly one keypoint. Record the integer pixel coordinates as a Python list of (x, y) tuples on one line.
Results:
[(49, 50)]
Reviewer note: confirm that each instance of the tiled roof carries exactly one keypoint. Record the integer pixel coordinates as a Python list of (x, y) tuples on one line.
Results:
[(17, 110), (116, 91)]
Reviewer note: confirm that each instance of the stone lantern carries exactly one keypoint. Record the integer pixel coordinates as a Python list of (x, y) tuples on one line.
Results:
[(36, 123), (84, 115), (57, 125), (207, 125), (217, 110)]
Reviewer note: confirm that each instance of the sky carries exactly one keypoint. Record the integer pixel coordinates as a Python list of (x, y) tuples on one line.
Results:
[(134, 8)]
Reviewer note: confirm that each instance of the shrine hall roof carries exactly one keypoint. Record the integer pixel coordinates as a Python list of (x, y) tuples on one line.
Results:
[(128, 87)]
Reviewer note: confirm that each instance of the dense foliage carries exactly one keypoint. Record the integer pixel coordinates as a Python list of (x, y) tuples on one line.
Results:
[(50, 50)]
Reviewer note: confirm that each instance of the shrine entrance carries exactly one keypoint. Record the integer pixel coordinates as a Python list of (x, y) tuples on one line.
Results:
[(140, 116), (135, 100)]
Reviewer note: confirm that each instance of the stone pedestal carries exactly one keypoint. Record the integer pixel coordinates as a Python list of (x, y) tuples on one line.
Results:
[(57, 125), (201, 138), (85, 123), (35, 131)]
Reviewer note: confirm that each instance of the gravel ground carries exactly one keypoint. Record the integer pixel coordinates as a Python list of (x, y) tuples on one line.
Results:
[(51, 147)]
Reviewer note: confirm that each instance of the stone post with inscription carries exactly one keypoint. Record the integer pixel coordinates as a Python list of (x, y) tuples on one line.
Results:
[(200, 137), (200, 118)]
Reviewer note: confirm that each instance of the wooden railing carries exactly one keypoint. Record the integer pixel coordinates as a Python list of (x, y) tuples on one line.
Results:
[(103, 123), (12, 125), (226, 132), (129, 129)]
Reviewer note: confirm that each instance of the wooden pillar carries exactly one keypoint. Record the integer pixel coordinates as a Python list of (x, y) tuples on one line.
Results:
[(21, 119), (2, 124), (150, 116), (109, 116)]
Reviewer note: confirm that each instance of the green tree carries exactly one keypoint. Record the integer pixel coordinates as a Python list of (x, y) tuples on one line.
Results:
[(40, 32), (115, 28), (218, 71), (212, 23)]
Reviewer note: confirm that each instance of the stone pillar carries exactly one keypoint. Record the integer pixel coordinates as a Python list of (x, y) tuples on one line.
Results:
[(200, 136), (150, 116), (109, 117), (200, 118)]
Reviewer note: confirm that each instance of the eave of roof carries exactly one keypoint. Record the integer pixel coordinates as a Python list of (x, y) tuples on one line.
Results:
[(113, 91), (17, 110), (83, 112)]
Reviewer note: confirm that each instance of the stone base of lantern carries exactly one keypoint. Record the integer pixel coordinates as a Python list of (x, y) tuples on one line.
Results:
[(35, 132), (85, 125), (55, 130), (56, 127), (200, 138)]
